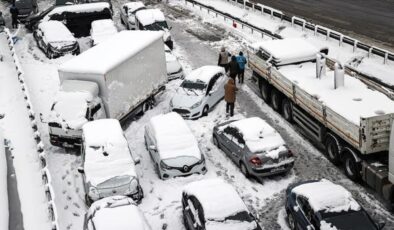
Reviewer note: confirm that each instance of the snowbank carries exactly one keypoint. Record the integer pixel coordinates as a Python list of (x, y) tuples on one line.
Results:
[(56, 32), (3, 185), (173, 137), (204, 73), (150, 16), (327, 196)]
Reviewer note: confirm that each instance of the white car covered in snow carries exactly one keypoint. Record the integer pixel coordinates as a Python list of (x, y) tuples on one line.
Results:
[(174, 68), (55, 40), (108, 166), (199, 92), (127, 13), (102, 30), (115, 212), (173, 147), (215, 205)]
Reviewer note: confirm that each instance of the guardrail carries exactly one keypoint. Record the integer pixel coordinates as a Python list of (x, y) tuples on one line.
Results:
[(46, 176), (371, 81)]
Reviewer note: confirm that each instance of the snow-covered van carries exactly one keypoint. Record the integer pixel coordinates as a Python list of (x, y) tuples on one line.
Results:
[(128, 70), (153, 19), (108, 167)]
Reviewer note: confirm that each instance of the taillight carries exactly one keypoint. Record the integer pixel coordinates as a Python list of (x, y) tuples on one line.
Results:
[(290, 153), (256, 161)]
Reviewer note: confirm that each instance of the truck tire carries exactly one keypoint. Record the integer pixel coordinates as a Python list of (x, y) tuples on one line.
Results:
[(351, 166), (332, 149), (265, 91), (287, 110), (276, 100), (205, 111)]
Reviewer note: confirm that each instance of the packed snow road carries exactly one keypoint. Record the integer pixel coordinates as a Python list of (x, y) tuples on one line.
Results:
[(196, 44)]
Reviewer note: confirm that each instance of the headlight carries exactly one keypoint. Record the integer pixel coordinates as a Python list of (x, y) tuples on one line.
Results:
[(164, 166), (93, 193), (196, 105), (133, 186)]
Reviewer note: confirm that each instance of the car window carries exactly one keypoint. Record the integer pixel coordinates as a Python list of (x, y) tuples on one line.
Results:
[(306, 209), (211, 84), (229, 132)]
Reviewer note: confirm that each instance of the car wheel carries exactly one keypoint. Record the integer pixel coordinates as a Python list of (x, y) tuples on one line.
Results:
[(215, 141), (121, 21), (205, 110), (287, 110), (265, 91), (49, 54), (244, 170), (352, 167), (276, 99), (332, 149), (88, 201), (291, 221)]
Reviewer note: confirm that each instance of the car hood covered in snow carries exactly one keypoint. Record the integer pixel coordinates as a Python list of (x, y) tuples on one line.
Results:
[(57, 34), (185, 99)]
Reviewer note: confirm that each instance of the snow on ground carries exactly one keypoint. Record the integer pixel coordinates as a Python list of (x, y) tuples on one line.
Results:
[(3, 185)]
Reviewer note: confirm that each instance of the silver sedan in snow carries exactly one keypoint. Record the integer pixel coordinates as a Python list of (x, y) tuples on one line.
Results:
[(254, 146)]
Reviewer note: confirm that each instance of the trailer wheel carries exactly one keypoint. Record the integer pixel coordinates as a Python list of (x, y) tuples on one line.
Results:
[(276, 99), (351, 166), (265, 91), (333, 149), (287, 110)]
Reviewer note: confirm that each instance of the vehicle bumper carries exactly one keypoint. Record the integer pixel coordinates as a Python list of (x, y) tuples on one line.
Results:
[(66, 142), (176, 75), (59, 53), (188, 113), (171, 173), (271, 171)]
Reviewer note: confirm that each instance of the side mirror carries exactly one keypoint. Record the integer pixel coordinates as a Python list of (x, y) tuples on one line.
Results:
[(81, 170), (296, 208), (381, 225), (152, 147)]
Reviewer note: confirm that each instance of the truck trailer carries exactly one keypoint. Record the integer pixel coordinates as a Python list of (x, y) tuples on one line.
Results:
[(118, 79), (352, 121)]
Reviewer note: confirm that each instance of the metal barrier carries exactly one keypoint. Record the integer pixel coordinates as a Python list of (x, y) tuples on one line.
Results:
[(46, 176)]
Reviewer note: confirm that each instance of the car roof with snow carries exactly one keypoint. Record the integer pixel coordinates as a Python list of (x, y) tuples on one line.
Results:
[(102, 30), (150, 16), (133, 6), (116, 49), (107, 153), (258, 135), (218, 198), (204, 73), (289, 50), (117, 212), (55, 31), (173, 137), (325, 196), (79, 8)]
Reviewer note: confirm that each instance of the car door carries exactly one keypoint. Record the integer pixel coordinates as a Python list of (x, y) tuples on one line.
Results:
[(150, 142), (238, 147), (218, 88), (225, 140), (232, 145), (123, 14), (210, 99), (193, 214), (302, 215)]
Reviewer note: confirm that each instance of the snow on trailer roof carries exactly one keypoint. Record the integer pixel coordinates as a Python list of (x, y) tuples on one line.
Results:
[(353, 101), (327, 197), (150, 16), (218, 198), (55, 31), (173, 137), (204, 73), (133, 6), (102, 58), (77, 8)]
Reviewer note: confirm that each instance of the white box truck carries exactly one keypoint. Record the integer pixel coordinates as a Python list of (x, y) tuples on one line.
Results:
[(115, 79), (336, 110)]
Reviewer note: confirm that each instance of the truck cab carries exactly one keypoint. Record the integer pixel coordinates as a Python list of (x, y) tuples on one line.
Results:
[(76, 103)]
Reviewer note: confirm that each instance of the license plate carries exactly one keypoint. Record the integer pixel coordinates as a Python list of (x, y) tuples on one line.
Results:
[(277, 169)]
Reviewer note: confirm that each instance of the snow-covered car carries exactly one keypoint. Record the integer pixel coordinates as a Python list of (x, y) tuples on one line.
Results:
[(127, 13), (102, 30), (199, 92), (173, 147), (108, 167), (115, 212), (213, 204), (174, 68), (321, 204), (254, 146), (153, 19), (55, 40)]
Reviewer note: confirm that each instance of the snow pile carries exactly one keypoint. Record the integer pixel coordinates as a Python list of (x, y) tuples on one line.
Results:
[(79, 8), (204, 73), (173, 137), (150, 16), (56, 33), (327, 197), (133, 6), (102, 58), (102, 30), (259, 136), (117, 212), (3, 185), (326, 226), (107, 154)]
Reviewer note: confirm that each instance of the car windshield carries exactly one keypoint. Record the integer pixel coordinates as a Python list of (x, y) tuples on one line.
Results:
[(359, 220), (115, 182), (195, 85), (45, 12), (242, 216), (157, 26)]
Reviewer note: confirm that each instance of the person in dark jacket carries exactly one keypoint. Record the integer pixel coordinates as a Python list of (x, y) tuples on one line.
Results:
[(223, 58), (233, 68), (229, 95), (241, 60), (14, 16)]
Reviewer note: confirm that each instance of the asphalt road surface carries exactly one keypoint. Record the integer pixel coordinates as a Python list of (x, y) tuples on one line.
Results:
[(368, 20)]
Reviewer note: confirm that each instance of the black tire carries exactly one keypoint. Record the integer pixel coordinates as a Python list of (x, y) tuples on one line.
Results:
[(49, 54), (287, 110), (121, 21), (351, 167), (291, 221), (215, 141), (276, 100), (205, 111), (265, 91), (88, 201), (332, 148), (244, 170)]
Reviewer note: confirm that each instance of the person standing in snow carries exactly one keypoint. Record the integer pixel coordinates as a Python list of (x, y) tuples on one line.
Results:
[(14, 16), (241, 60), (229, 96), (223, 58), (233, 68)]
